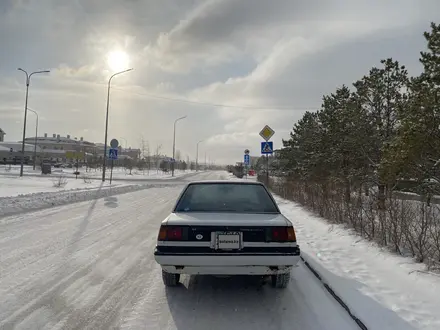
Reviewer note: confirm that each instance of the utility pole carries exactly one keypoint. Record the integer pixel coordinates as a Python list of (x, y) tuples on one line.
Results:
[(106, 122), (28, 81), (197, 155), (174, 144), (36, 137)]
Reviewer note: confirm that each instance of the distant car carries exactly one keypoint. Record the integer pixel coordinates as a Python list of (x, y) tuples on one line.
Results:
[(226, 228)]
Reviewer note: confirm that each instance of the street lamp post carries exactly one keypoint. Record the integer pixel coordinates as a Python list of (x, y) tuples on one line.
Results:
[(28, 80), (174, 143), (106, 121), (197, 156), (36, 137)]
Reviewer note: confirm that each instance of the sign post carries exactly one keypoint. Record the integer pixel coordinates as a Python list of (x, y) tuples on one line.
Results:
[(11, 152), (113, 154), (77, 167), (247, 161), (111, 173), (267, 146)]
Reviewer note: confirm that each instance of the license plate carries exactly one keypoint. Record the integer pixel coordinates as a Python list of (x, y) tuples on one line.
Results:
[(228, 240)]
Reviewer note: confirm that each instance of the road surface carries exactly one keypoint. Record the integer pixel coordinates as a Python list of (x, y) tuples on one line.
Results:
[(90, 266)]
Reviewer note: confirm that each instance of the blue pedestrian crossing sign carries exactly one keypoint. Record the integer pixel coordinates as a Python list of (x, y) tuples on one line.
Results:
[(267, 148), (247, 159), (113, 153)]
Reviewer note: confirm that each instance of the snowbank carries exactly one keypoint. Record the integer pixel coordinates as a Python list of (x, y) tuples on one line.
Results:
[(15, 185), (30, 202), (383, 290), (119, 173)]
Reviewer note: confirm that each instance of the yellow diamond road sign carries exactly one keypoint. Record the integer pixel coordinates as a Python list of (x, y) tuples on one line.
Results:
[(266, 133)]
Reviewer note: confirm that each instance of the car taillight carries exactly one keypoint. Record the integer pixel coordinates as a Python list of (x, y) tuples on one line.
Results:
[(282, 234), (174, 234), (170, 233)]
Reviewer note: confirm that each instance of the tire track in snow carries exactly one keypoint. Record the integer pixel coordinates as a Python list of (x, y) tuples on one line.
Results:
[(48, 251), (26, 254), (109, 280), (205, 302), (50, 295)]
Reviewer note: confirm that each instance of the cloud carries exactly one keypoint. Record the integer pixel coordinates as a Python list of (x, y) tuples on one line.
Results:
[(86, 72), (220, 31), (270, 61)]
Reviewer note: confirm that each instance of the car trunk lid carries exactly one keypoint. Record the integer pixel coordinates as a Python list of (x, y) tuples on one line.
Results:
[(201, 225)]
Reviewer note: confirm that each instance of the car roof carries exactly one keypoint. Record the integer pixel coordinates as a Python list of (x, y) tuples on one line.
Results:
[(226, 182)]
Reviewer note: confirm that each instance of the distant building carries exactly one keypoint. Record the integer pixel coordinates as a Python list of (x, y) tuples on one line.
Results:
[(58, 148), (131, 153), (12, 150), (58, 143)]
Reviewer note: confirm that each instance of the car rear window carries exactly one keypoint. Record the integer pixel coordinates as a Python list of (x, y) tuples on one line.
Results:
[(226, 197)]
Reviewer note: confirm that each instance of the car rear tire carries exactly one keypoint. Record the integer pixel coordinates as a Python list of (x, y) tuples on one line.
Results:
[(170, 279), (281, 281)]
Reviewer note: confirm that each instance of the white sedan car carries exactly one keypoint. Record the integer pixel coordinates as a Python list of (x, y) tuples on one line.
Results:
[(226, 228)]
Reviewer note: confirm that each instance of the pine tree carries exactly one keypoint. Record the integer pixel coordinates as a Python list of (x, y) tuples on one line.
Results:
[(415, 152)]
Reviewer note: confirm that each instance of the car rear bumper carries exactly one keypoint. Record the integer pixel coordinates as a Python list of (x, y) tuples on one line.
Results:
[(227, 264), (227, 270)]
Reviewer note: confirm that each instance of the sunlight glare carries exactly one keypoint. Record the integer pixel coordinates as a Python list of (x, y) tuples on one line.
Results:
[(117, 60)]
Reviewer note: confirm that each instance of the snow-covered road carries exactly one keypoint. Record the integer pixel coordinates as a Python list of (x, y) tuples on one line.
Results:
[(90, 266)]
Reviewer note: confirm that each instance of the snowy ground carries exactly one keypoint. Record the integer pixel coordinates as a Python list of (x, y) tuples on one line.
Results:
[(371, 281), (89, 265), (119, 173), (12, 184), (28, 193), (33, 192), (15, 185)]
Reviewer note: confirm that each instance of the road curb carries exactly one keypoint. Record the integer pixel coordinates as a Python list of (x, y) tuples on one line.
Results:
[(334, 295)]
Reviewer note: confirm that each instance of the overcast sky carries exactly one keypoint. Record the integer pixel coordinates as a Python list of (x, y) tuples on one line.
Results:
[(268, 61)]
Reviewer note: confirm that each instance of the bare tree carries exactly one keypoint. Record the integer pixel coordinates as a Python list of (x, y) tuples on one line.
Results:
[(128, 164), (145, 154), (178, 155), (60, 181), (177, 159), (156, 156)]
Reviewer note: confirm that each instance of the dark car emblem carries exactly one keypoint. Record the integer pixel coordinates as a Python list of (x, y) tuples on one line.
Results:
[(199, 236)]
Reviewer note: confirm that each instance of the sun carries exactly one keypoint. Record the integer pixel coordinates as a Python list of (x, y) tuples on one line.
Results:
[(118, 60)]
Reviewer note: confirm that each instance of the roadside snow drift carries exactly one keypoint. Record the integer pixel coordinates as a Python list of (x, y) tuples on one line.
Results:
[(15, 185), (29, 202), (385, 291), (119, 173)]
